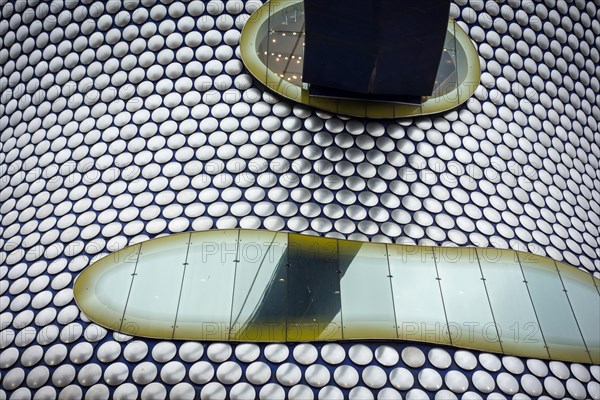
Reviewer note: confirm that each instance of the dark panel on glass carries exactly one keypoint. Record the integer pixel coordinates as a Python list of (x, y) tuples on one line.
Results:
[(259, 307), (314, 309), (394, 47)]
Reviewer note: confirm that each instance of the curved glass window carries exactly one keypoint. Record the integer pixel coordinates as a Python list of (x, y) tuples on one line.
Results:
[(272, 48), (252, 285)]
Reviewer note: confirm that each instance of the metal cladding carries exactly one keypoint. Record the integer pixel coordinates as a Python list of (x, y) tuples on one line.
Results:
[(121, 121)]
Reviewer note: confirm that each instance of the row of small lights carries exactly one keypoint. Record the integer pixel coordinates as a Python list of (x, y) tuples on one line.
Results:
[(286, 58)]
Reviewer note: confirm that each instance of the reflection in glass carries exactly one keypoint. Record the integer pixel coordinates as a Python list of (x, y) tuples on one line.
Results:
[(514, 314), (260, 288), (367, 304), (419, 317), (470, 320), (207, 286), (280, 46), (314, 309), (584, 299), (446, 80), (552, 307)]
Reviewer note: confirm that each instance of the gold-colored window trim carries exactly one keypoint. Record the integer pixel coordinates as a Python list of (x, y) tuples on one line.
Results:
[(263, 286), (350, 107)]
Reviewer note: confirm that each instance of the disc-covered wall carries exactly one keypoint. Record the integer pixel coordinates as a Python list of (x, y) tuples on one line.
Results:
[(121, 121)]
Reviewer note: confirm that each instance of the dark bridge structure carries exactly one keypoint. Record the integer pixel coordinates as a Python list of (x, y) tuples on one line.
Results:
[(379, 49)]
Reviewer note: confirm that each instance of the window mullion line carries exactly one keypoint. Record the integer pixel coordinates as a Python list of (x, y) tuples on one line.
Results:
[(235, 268), (387, 258), (339, 278), (130, 287), (483, 279), (587, 350), (439, 280), (533, 305), (185, 264)]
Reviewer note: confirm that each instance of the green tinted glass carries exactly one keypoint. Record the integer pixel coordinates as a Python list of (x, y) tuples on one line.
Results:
[(584, 299), (155, 287), (513, 312), (552, 307), (420, 318), (366, 291), (103, 289), (207, 285), (470, 320), (272, 48)]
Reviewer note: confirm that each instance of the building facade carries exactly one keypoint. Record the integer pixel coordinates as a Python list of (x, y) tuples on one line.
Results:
[(126, 120)]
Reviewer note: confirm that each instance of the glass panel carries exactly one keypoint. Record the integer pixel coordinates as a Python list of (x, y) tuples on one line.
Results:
[(515, 317), (470, 319), (101, 290), (313, 302), (205, 302), (156, 286), (553, 310), (418, 302), (585, 301), (467, 83), (367, 303), (280, 44), (446, 80), (259, 306)]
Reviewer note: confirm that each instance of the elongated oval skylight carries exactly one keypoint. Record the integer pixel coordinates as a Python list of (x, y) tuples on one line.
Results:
[(250, 285)]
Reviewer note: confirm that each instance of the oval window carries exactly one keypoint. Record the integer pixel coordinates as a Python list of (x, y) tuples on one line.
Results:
[(272, 48), (248, 285)]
